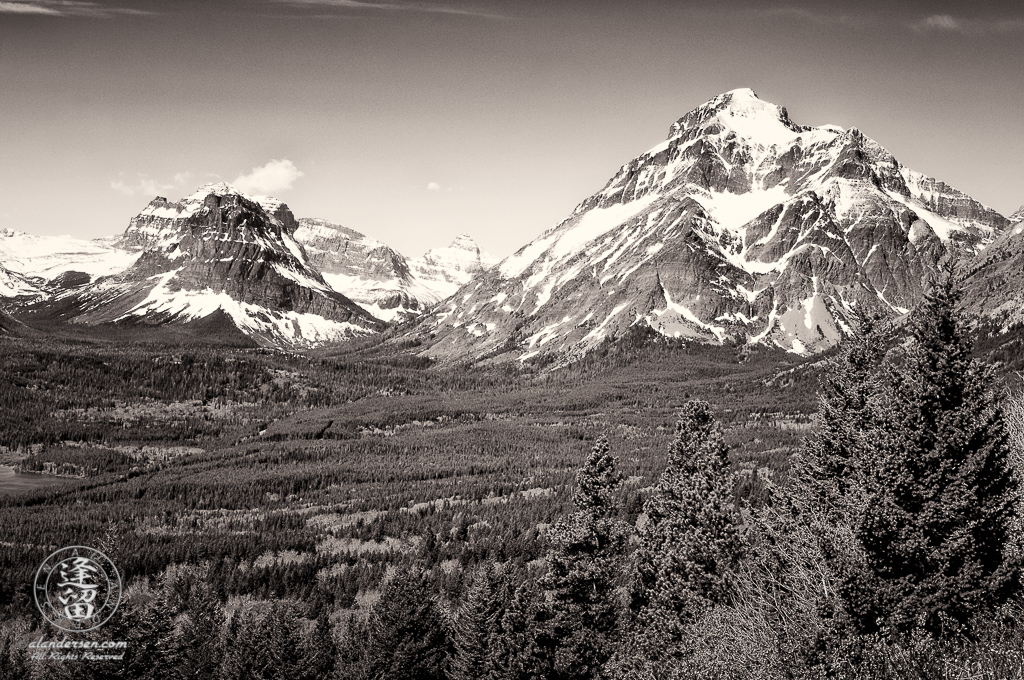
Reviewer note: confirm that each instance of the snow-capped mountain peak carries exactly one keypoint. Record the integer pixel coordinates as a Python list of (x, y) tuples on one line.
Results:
[(446, 269), (220, 251), (741, 224)]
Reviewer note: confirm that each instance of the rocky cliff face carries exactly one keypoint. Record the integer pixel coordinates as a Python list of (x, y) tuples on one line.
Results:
[(365, 270), (220, 250), (742, 224), (446, 269), (994, 280)]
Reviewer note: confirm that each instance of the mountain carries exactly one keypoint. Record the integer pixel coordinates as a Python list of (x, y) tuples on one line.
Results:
[(48, 257), (993, 282), (742, 225), (15, 285), (445, 270), (367, 271), (217, 251)]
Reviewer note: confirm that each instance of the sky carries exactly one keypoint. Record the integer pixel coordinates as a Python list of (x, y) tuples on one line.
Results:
[(414, 121)]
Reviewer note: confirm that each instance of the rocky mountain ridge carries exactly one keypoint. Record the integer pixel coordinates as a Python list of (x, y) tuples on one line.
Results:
[(217, 251), (742, 225), (289, 281)]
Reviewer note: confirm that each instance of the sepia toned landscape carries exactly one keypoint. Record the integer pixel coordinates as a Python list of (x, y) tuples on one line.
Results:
[(751, 408)]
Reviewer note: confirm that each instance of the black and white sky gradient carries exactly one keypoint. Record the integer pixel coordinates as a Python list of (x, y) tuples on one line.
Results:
[(414, 121)]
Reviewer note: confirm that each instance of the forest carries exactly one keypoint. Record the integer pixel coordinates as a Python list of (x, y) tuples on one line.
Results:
[(657, 509)]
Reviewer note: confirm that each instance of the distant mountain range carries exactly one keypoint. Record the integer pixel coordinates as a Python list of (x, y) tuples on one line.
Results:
[(743, 226), (280, 280)]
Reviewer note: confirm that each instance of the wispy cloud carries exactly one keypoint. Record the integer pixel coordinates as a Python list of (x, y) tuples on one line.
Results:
[(147, 186), (818, 18), (59, 8), (433, 186), (26, 8), (272, 178), (948, 24), (423, 7)]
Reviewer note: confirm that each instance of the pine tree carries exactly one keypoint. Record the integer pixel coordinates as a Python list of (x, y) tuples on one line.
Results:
[(320, 649), (522, 648), (940, 494), (199, 644), (689, 547), (14, 664), (474, 627), (408, 637), (150, 636), (353, 652), (276, 645), (237, 661), (583, 571), (828, 475), (690, 543)]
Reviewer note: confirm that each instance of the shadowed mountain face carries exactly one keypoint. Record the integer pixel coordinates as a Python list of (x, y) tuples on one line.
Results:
[(742, 224), (219, 251), (994, 280)]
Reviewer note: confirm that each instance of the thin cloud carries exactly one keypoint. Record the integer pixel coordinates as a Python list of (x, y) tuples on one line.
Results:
[(812, 17), (389, 7), (948, 24), (26, 8), (147, 186), (433, 186), (274, 177), (144, 186), (67, 8)]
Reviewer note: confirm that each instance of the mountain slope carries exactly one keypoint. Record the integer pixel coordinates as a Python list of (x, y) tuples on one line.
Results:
[(364, 270), (15, 285), (742, 224), (218, 251), (47, 257), (994, 281), (445, 270)]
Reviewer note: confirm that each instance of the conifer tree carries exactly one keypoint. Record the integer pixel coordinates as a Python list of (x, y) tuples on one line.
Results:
[(941, 495), (690, 542), (353, 649), (276, 645), (14, 663), (584, 565), (199, 644), (474, 627), (408, 637), (320, 649), (522, 649), (238, 660), (828, 475), (151, 649)]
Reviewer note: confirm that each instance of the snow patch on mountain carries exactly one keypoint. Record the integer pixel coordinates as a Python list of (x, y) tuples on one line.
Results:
[(293, 328), (47, 257), (14, 285)]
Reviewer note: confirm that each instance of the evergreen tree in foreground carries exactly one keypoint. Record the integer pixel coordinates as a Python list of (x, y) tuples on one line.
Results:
[(828, 475), (477, 622), (689, 548), (408, 638), (940, 494), (690, 543), (583, 569)]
